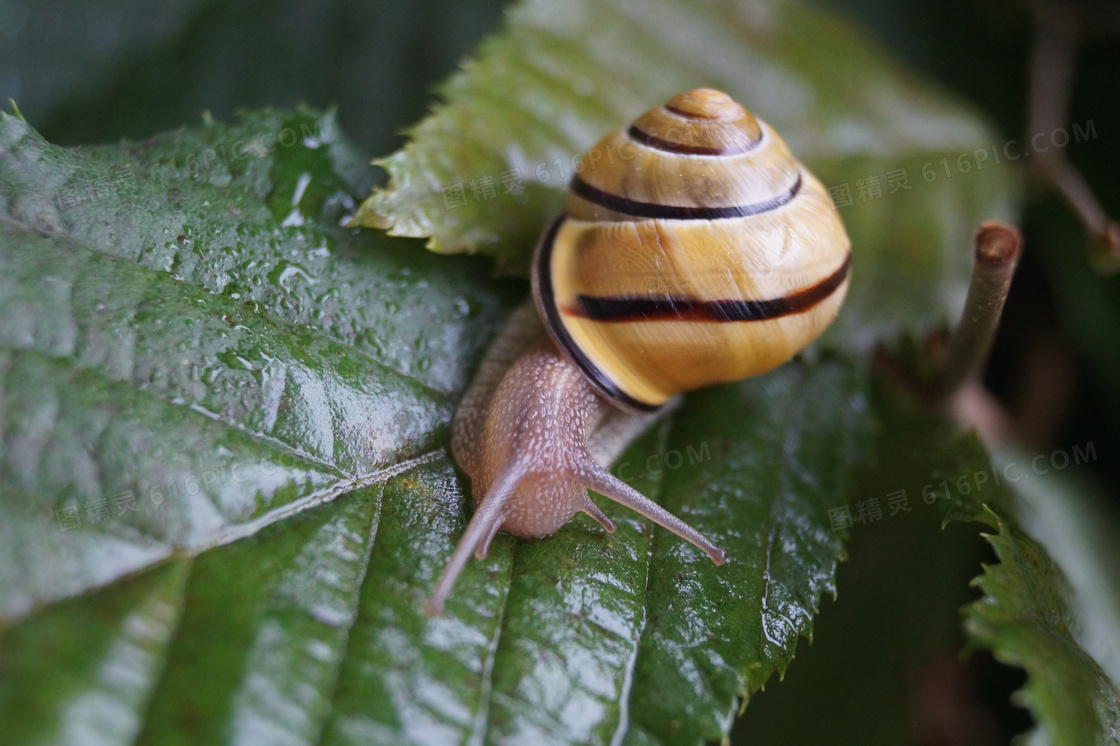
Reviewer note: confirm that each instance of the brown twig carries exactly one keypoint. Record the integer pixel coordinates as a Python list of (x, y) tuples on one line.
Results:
[(1052, 66), (998, 247), (1061, 25), (1103, 231)]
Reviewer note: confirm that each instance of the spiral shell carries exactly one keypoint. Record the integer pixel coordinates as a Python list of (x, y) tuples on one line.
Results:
[(694, 250)]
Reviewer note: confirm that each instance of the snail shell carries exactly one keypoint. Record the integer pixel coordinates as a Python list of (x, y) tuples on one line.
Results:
[(708, 255), (694, 250)]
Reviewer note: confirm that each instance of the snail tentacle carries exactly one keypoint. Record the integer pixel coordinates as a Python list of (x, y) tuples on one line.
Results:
[(608, 485), (592, 510), (483, 526)]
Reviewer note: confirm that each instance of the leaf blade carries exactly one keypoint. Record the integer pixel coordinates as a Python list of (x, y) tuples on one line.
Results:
[(120, 316)]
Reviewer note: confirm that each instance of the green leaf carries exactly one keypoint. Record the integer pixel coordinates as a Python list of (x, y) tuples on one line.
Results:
[(561, 76), (1029, 618), (894, 627), (784, 452), (191, 348), (83, 672), (1051, 605)]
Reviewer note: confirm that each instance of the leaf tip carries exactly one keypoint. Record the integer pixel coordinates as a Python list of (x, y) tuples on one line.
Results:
[(368, 216)]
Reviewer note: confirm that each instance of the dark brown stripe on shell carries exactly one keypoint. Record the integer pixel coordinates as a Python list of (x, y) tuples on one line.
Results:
[(668, 146), (542, 268), (686, 308), (689, 114), (674, 212)]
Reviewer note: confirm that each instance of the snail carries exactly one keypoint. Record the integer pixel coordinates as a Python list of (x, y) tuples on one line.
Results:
[(693, 250)]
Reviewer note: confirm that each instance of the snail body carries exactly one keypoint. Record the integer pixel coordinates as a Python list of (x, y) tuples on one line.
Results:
[(701, 252)]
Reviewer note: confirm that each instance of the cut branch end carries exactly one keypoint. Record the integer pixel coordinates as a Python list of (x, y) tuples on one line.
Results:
[(998, 248)]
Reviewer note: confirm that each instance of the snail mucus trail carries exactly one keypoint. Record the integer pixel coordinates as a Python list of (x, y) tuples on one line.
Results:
[(701, 253)]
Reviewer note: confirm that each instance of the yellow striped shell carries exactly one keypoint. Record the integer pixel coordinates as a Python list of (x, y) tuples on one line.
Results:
[(695, 250)]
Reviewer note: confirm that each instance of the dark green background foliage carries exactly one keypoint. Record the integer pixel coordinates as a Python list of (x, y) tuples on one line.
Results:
[(190, 311)]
